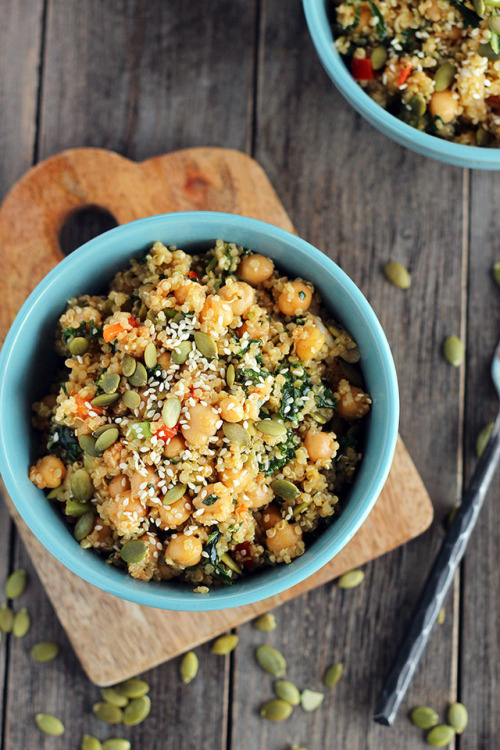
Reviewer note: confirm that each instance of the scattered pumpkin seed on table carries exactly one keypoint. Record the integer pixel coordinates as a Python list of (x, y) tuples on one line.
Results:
[(333, 675), (189, 667), (453, 351), (424, 717), (137, 710), (236, 433), (440, 736), (271, 660), (496, 273), (132, 688), (133, 552), (351, 580), (44, 651), (16, 584), (397, 274), (225, 644), (110, 695), (115, 743), (265, 622), (49, 724), (287, 691), (458, 717), (311, 700), (441, 616), (298, 747), (22, 623), (6, 618), (483, 437), (107, 712), (90, 743), (276, 710)]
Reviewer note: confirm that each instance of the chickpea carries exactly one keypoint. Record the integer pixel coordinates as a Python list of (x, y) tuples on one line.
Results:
[(216, 311), (237, 479), (138, 480), (202, 424), (191, 294), (118, 485), (175, 514), (352, 402), (101, 536), (434, 11), (320, 445), (164, 360), (257, 328), (270, 516), (259, 493), (181, 293), (124, 512), (174, 447), (239, 295), (286, 536), (48, 471), (309, 345), (217, 511), (443, 105), (295, 298), (255, 269), (184, 550), (231, 409)]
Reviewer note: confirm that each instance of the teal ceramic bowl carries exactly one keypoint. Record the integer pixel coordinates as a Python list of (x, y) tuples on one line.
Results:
[(27, 367), (423, 143)]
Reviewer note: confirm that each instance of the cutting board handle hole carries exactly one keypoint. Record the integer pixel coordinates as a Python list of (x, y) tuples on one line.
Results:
[(83, 225)]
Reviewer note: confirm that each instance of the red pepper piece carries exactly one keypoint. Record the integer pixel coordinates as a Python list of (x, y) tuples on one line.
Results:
[(362, 69)]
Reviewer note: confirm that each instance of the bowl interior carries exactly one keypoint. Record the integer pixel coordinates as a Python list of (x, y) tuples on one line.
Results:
[(319, 24), (27, 366)]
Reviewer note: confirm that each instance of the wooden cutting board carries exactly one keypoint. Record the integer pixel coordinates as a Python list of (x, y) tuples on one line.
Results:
[(30, 220)]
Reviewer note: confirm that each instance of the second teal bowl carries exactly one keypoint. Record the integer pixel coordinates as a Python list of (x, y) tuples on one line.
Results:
[(27, 365)]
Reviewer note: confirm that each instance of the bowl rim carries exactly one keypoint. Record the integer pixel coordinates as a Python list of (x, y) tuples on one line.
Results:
[(457, 154), (219, 598)]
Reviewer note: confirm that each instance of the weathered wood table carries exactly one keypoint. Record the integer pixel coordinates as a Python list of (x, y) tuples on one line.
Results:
[(149, 76)]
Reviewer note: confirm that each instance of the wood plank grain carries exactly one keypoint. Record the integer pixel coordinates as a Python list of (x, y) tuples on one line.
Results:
[(480, 645), (363, 200)]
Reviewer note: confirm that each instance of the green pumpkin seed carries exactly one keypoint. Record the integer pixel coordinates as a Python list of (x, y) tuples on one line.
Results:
[(97, 433), (150, 356), (87, 444), (78, 346), (171, 411), (397, 275), (107, 439), (170, 313), (205, 344), (453, 351), (424, 717), (75, 509), (311, 700), (482, 138), (22, 623), (443, 77), (318, 417), (230, 563), (139, 378), (81, 485), (110, 382), (483, 438), (287, 691), (458, 717), (271, 660), (496, 273), (271, 427), (128, 365), (417, 105), (230, 375), (298, 747), (49, 724), (351, 580), (16, 584), (480, 7), (441, 616), (134, 551), (116, 743), (276, 710), (105, 399), (107, 712), (174, 493), (225, 644), (353, 374), (285, 489), (6, 618), (485, 50), (110, 695), (133, 688), (265, 622), (301, 508), (189, 667), (137, 710), (90, 743), (236, 433), (181, 352), (378, 57), (333, 675), (494, 24), (44, 651), (84, 525), (131, 399), (440, 736), (55, 492)]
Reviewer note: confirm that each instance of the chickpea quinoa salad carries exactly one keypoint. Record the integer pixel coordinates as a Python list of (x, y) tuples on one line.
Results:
[(435, 64), (209, 420)]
